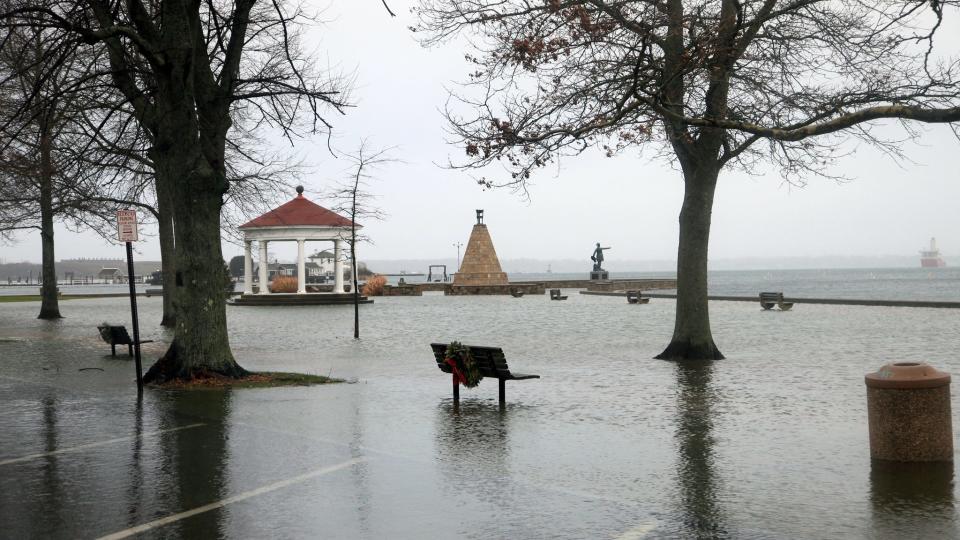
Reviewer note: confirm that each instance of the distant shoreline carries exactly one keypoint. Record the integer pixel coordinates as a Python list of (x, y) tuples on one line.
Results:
[(525, 267)]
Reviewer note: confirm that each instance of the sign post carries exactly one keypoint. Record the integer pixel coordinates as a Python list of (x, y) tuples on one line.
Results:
[(127, 232)]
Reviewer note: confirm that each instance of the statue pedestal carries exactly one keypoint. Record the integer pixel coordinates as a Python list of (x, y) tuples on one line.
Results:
[(599, 274)]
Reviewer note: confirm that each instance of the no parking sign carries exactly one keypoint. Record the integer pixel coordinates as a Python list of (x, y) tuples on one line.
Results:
[(127, 225)]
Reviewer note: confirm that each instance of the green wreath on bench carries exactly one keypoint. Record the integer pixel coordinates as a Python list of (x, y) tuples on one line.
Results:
[(462, 364)]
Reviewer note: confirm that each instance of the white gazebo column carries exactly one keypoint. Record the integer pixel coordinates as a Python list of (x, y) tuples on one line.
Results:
[(301, 268), (263, 268), (247, 267), (338, 266)]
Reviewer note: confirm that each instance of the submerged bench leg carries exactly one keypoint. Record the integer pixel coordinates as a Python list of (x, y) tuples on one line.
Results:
[(456, 392), (503, 391)]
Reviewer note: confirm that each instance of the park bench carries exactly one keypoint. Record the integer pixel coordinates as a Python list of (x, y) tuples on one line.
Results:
[(636, 297), (516, 293), (770, 299), (491, 362), (117, 335), (555, 295)]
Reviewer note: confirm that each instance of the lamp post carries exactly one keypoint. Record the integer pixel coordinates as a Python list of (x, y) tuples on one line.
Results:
[(458, 245)]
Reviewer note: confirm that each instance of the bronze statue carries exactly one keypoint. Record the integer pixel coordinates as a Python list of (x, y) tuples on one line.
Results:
[(597, 258)]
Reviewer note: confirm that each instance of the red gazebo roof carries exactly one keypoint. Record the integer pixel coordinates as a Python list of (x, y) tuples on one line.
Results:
[(299, 211)]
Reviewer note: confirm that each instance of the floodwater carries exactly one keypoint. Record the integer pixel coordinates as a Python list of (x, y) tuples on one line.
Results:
[(930, 284), (609, 443)]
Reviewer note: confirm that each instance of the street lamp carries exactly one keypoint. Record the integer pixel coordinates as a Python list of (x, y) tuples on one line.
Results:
[(458, 245)]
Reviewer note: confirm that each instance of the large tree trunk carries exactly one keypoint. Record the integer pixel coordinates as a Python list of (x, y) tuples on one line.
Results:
[(201, 345), (167, 253), (195, 182), (200, 299), (49, 304), (692, 338)]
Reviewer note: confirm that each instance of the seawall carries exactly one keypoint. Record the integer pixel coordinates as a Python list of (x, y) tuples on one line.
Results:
[(833, 301)]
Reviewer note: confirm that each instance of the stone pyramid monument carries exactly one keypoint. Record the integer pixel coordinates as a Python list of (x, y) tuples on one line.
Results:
[(480, 264)]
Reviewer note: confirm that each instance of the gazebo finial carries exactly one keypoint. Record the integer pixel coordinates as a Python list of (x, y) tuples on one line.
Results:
[(299, 191)]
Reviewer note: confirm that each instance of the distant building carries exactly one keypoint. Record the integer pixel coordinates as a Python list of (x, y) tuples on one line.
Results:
[(114, 276), (315, 272), (109, 275), (323, 260)]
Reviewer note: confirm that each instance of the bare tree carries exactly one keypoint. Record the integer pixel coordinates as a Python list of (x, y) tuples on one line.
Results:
[(44, 176), (189, 70), (707, 84), (354, 199), (257, 179), (120, 141)]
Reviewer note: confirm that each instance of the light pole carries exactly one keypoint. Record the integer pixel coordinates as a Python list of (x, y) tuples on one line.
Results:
[(458, 245)]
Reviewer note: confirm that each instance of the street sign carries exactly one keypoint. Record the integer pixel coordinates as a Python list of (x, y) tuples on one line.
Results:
[(127, 225), (127, 232)]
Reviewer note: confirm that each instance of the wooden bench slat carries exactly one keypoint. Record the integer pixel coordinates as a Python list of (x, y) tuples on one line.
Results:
[(521, 376)]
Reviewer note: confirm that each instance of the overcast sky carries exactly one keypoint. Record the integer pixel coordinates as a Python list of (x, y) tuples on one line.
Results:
[(628, 202)]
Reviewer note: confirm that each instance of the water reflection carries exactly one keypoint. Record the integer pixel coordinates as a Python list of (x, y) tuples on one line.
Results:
[(913, 499), (700, 511), (197, 459), (473, 458), (135, 489), (361, 471), (52, 486)]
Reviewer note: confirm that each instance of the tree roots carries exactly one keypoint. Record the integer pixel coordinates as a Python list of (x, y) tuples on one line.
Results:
[(688, 350), (168, 369)]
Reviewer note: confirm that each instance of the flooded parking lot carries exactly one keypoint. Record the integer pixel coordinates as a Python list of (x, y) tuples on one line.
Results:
[(609, 443)]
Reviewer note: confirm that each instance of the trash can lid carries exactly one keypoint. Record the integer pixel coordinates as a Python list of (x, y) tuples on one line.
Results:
[(907, 375)]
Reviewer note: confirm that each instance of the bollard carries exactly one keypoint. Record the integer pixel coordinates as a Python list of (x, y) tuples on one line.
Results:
[(908, 409)]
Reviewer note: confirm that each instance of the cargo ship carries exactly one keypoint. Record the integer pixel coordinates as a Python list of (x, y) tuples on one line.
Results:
[(930, 258)]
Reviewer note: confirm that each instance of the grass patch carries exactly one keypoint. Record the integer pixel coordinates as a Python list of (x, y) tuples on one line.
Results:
[(20, 298), (258, 379), (27, 298)]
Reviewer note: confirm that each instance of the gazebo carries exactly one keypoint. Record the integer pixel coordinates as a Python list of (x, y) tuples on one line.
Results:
[(299, 220)]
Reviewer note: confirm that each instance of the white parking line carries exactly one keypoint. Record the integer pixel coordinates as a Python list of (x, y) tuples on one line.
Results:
[(96, 444), (639, 531), (220, 504)]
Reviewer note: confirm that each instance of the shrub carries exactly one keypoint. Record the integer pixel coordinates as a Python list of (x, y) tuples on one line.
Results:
[(374, 285), (284, 284)]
